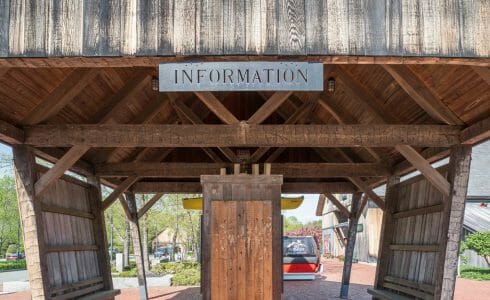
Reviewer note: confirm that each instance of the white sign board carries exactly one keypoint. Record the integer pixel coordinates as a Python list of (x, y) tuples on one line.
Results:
[(241, 76)]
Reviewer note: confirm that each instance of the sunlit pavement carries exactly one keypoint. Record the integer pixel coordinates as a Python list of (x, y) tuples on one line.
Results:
[(326, 286)]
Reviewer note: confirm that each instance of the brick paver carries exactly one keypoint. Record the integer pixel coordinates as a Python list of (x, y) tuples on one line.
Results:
[(326, 286)]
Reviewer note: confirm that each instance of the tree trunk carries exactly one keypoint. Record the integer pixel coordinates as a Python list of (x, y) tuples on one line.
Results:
[(127, 239)]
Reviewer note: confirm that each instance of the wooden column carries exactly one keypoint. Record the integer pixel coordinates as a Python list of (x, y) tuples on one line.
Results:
[(137, 246), (100, 234), (31, 219), (241, 237), (351, 241), (387, 227), (454, 205)]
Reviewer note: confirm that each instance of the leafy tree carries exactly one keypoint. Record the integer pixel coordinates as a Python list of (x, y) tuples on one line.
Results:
[(480, 243), (291, 224)]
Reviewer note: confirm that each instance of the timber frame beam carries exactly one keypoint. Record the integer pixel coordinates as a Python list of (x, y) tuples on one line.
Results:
[(195, 170), (241, 135)]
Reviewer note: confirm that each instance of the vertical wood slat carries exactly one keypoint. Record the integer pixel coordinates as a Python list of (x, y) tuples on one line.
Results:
[(316, 27), (234, 26), (184, 27), (4, 27), (32, 221), (209, 27), (291, 37), (387, 231)]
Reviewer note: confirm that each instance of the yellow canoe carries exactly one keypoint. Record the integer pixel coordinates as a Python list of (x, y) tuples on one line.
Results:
[(286, 203)]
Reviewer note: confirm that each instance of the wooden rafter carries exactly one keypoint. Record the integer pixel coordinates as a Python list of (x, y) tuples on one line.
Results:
[(269, 107), (10, 134), (320, 205), (241, 135), (425, 168), (103, 117), (118, 191), (288, 170), (287, 187), (363, 186), (3, 71), (183, 109), (422, 95), (476, 133), (483, 72), (217, 107), (296, 117), (339, 205), (68, 89)]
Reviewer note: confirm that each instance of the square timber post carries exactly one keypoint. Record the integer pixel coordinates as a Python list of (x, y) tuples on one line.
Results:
[(241, 237)]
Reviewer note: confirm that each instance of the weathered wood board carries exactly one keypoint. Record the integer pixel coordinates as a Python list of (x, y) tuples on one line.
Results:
[(241, 253), (441, 28)]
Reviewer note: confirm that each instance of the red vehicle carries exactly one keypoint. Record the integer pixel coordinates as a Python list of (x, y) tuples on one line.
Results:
[(301, 258)]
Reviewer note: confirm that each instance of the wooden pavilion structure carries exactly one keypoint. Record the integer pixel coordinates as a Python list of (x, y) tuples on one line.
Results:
[(412, 86)]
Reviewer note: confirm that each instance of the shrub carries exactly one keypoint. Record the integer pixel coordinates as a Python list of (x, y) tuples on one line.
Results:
[(187, 277), (475, 273), (128, 273), (480, 243), (13, 265)]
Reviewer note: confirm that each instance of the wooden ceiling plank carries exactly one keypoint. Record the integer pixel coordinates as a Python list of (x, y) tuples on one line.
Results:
[(425, 168), (149, 204), (60, 96), (118, 191), (10, 134), (476, 133), (118, 101), (337, 204), (422, 95), (287, 187), (77, 151), (195, 170), (241, 135), (483, 72), (320, 205), (269, 107), (217, 107)]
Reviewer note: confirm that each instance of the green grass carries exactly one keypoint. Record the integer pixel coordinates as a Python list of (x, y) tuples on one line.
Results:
[(474, 273), (13, 265)]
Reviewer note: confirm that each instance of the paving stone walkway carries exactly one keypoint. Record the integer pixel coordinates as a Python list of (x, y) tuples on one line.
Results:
[(326, 286)]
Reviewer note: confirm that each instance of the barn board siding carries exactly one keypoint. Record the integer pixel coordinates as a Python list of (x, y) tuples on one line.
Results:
[(441, 28)]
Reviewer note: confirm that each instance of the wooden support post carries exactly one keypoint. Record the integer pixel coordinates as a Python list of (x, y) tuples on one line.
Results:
[(386, 231), (100, 235), (130, 200), (454, 205), (32, 221), (351, 241)]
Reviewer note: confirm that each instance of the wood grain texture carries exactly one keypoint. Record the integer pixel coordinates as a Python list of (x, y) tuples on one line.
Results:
[(241, 134), (443, 28)]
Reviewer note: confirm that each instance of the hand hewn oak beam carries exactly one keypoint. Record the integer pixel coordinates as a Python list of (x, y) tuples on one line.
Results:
[(195, 170), (339, 205), (124, 186), (425, 168), (179, 106), (217, 107), (476, 133), (269, 107), (10, 134), (287, 187), (68, 89), (320, 205), (421, 94), (149, 204), (241, 135)]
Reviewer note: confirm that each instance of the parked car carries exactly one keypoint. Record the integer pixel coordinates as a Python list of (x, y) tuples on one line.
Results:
[(14, 256)]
